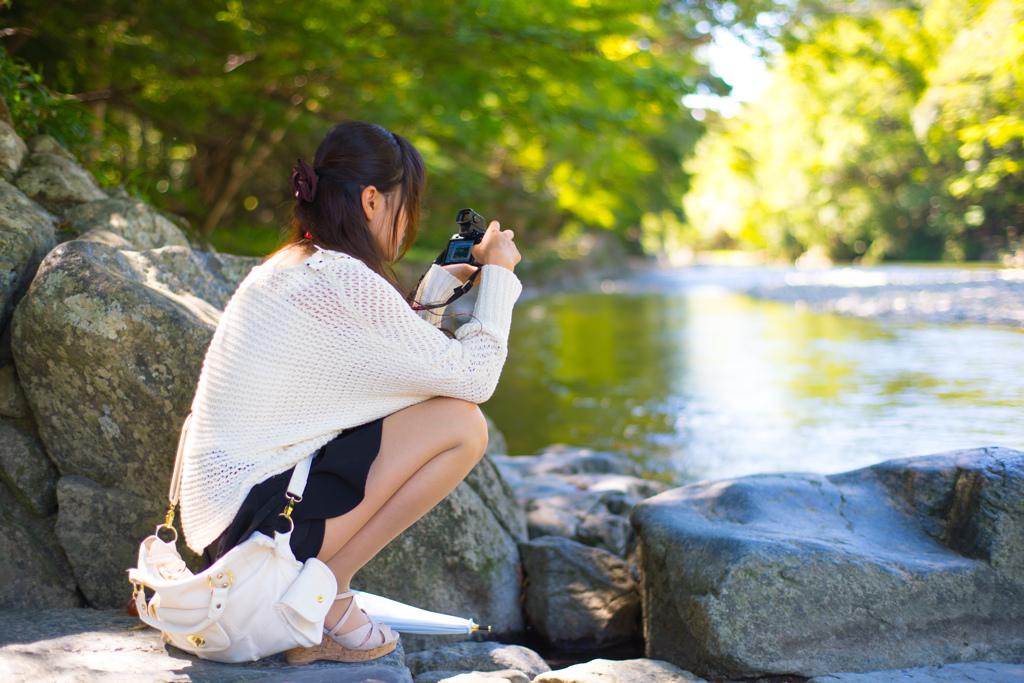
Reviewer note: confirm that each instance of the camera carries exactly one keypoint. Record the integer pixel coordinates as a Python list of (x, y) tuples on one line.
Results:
[(471, 231)]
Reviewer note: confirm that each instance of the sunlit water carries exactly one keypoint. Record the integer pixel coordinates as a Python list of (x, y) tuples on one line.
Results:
[(701, 382)]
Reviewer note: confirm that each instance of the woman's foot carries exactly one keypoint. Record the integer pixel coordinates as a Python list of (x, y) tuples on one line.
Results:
[(349, 619), (354, 638)]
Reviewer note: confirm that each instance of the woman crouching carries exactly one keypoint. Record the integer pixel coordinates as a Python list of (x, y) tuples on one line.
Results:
[(318, 352)]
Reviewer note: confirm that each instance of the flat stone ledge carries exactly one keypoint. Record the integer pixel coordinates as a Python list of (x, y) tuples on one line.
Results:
[(969, 672), (107, 646)]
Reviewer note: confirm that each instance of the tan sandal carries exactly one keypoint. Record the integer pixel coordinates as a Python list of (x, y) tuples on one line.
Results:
[(370, 641)]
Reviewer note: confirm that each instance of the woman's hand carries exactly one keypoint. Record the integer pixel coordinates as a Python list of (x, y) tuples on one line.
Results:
[(496, 248), (461, 271)]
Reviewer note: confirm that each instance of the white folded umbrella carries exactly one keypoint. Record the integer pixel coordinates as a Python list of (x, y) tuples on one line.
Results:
[(408, 619)]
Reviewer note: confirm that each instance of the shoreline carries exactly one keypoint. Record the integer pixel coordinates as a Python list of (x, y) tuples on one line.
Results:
[(939, 294), (907, 294)]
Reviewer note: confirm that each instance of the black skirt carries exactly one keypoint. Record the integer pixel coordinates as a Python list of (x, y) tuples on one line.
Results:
[(336, 484)]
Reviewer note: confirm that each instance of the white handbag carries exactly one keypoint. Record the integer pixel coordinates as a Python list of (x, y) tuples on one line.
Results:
[(255, 601)]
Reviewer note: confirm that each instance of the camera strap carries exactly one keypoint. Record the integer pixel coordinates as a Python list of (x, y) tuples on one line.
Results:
[(458, 293)]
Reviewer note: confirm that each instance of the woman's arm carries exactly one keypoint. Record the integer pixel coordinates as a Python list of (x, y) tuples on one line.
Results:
[(406, 356), (436, 286)]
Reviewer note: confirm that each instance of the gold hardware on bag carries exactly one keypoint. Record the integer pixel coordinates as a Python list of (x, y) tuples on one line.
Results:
[(220, 580), (168, 524), (197, 641), (289, 506), (319, 598)]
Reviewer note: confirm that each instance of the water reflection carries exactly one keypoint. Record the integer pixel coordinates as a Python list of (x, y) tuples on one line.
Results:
[(709, 383)]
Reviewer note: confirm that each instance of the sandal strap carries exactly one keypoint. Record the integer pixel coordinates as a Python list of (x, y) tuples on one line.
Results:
[(348, 611), (372, 626), (375, 627)]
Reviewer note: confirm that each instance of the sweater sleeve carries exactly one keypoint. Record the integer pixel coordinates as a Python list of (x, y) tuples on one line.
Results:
[(436, 286), (415, 359)]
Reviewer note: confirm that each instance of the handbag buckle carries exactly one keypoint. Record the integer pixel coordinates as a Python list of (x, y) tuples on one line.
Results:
[(222, 579), (168, 522), (289, 506)]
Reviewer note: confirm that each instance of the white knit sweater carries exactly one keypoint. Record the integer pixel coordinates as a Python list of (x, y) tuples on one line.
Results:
[(305, 351)]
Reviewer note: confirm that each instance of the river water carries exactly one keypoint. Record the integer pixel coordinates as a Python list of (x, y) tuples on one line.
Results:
[(696, 380)]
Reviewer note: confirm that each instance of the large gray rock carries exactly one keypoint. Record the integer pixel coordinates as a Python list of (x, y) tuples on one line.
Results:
[(56, 182), (27, 234), (27, 472), (12, 398), (579, 596), (34, 572), (12, 151), (132, 219), (620, 671), (109, 345), (968, 672), (89, 646), (477, 657), (486, 480), (100, 530), (457, 560), (912, 562)]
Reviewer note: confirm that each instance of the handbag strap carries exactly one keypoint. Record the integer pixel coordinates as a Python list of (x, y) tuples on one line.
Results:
[(296, 485), (175, 491)]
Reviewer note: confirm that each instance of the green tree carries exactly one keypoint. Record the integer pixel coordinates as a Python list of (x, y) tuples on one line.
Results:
[(886, 134), (552, 115), (971, 120)]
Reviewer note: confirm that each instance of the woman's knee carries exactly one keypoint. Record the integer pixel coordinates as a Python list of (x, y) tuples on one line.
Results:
[(469, 423)]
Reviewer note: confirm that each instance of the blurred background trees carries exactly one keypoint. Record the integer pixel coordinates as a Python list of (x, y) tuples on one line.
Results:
[(891, 130), (555, 116)]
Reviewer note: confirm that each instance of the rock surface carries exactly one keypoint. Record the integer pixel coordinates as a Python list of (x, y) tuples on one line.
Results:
[(477, 657), (27, 472), (970, 672), (456, 560), (87, 646), (562, 459), (579, 494), (34, 572), (93, 518), (488, 483), (912, 562), (131, 219), (578, 596), (12, 398), (12, 151), (46, 143), (625, 671), (27, 234), (503, 676), (56, 182), (109, 345)]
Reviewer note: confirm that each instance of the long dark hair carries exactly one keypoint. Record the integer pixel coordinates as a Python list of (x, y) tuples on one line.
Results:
[(352, 156)]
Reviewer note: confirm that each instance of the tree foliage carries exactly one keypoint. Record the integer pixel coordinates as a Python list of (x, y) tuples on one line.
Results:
[(553, 115), (36, 110), (894, 133)]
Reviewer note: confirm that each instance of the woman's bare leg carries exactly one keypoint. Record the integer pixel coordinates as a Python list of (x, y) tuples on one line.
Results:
[(425, 451)]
